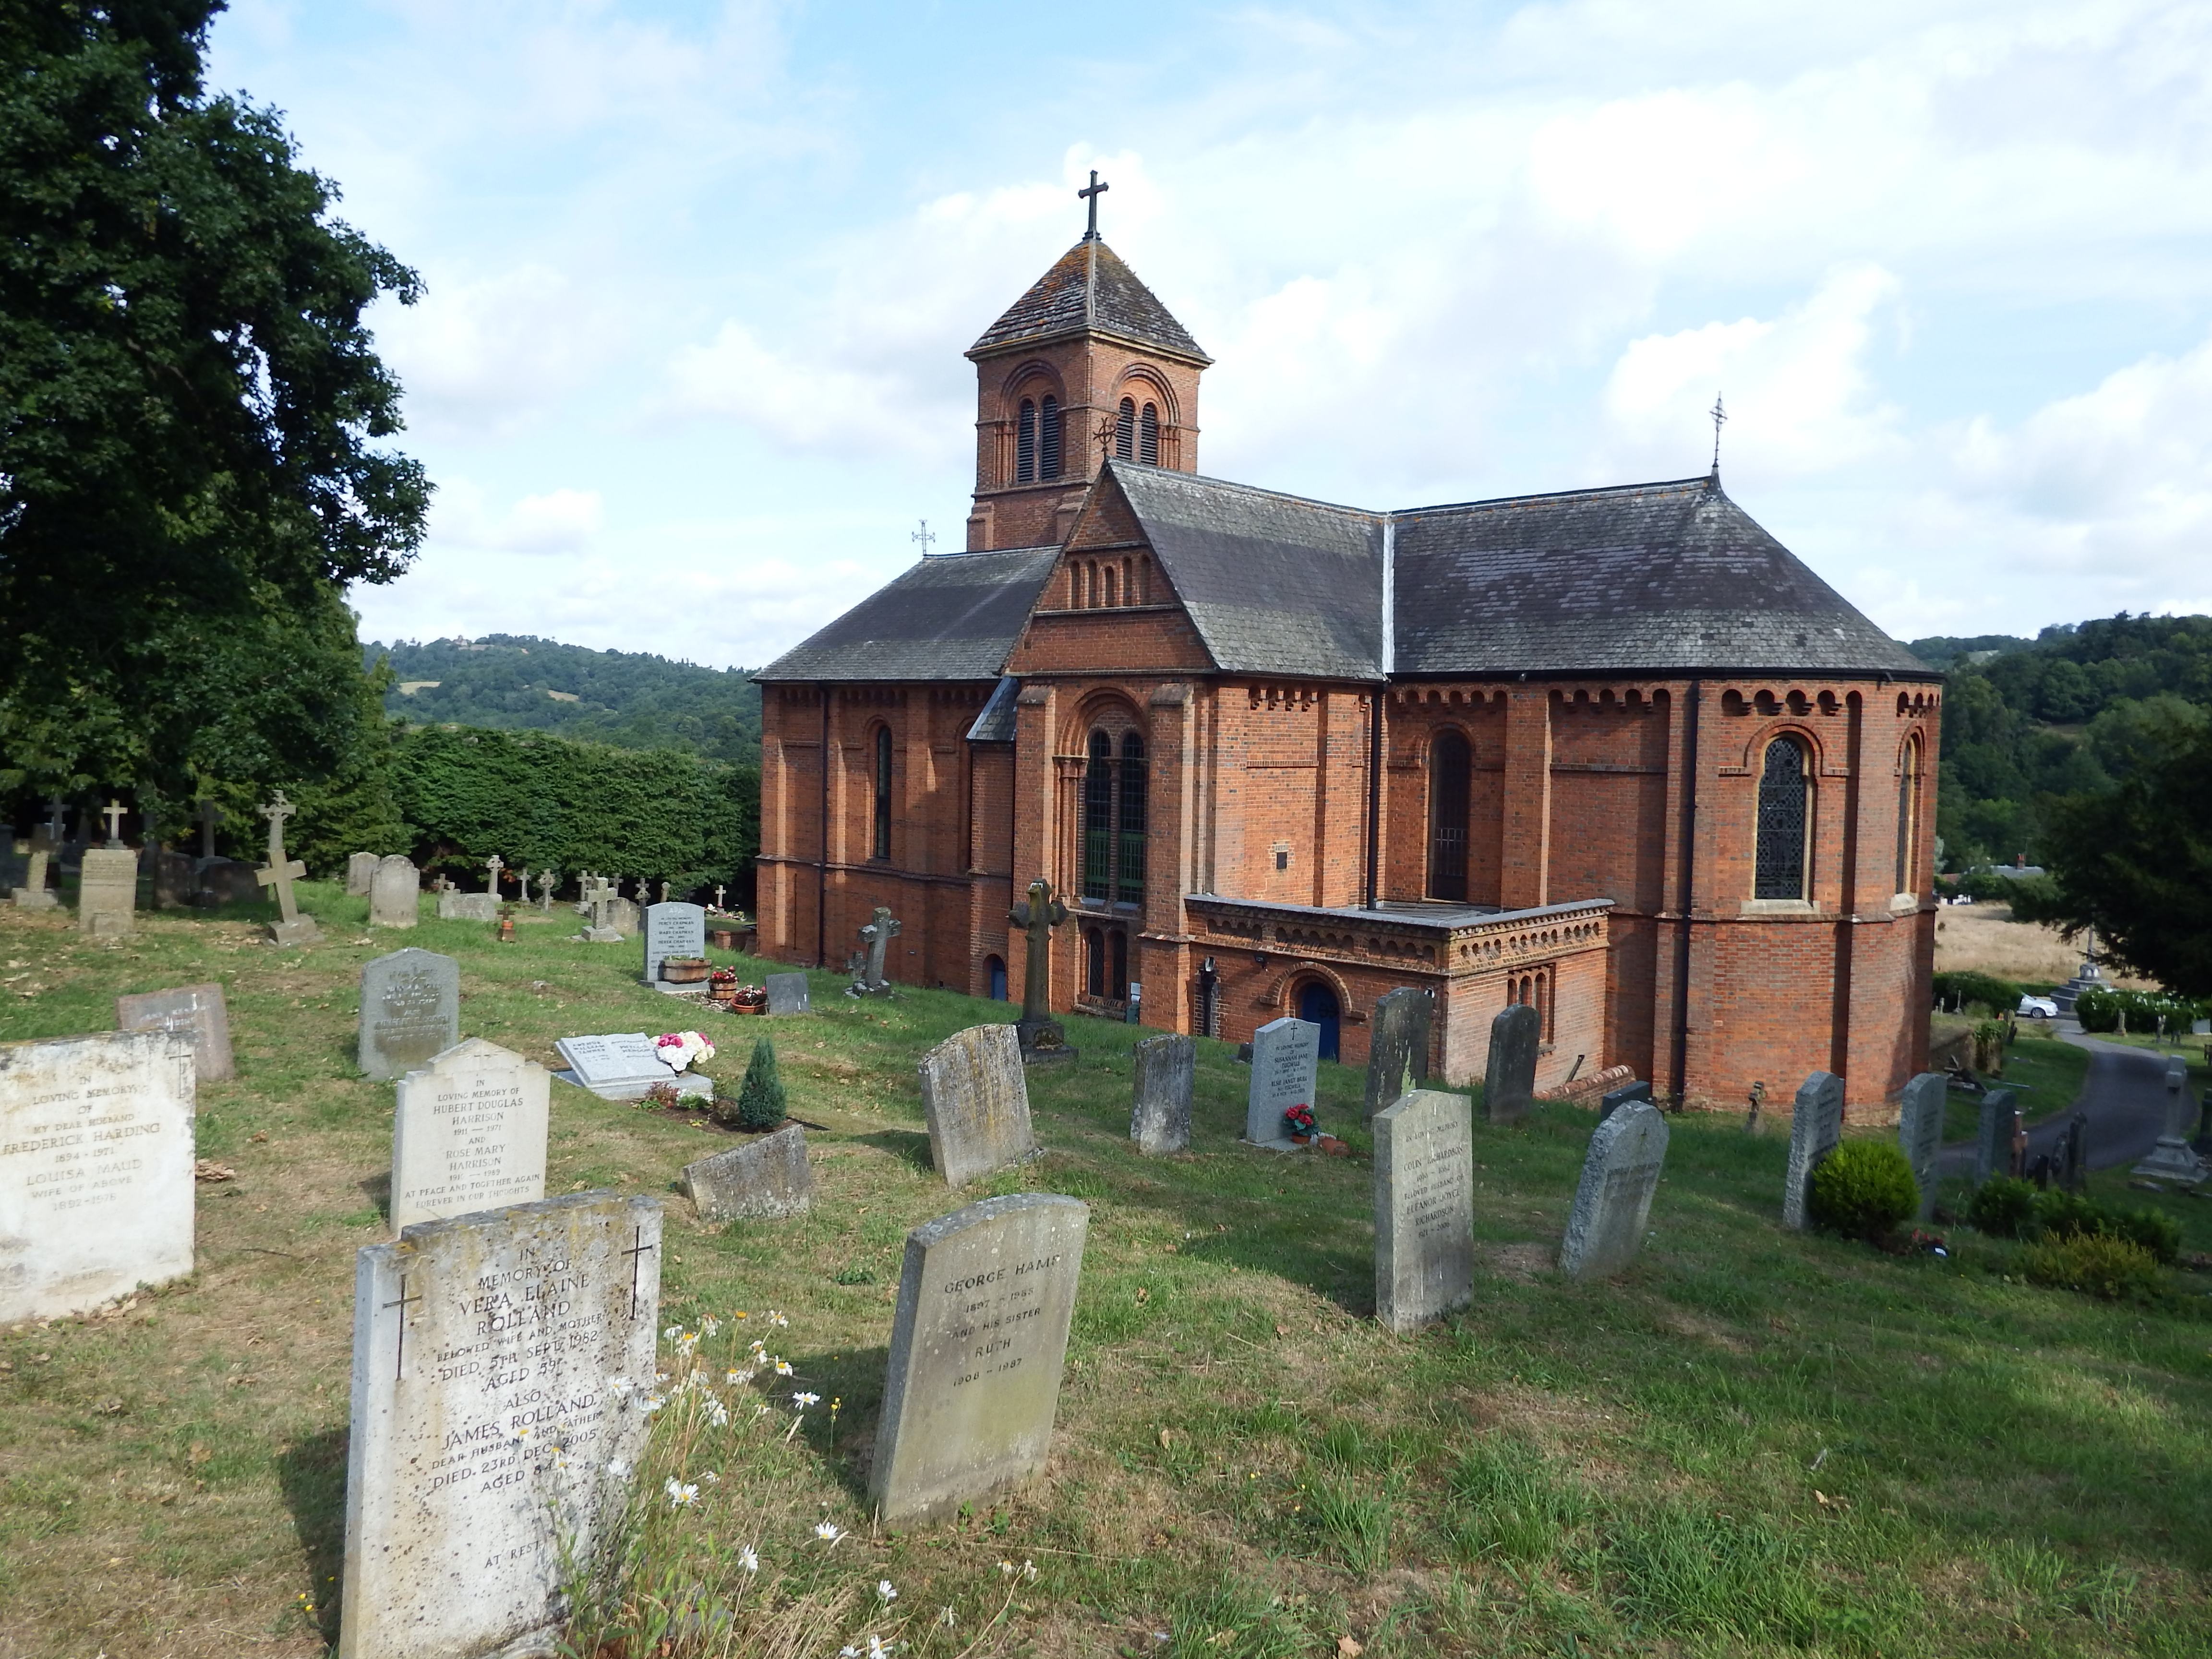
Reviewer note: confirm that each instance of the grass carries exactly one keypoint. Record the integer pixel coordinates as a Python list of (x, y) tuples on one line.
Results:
[(2048, 1071), (1754, 1443)]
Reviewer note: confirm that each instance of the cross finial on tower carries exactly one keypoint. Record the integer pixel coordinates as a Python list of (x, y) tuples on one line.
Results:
[(923, 537), (1092, 196), (1719, 413)]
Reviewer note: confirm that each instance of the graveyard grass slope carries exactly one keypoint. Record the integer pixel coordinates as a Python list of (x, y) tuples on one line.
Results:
[(1754, 1443)]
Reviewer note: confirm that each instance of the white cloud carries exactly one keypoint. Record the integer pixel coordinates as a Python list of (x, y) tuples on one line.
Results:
[(559, 521), (484, 355)]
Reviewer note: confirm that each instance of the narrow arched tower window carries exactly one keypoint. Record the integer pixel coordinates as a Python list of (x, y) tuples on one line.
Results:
[(1780, 872), (1099, 820), (1908, 810), (1025, 444), (1048, 439), (883, 836), (1448, 767), (1148, 435), (1124, 431), (1129, 871)]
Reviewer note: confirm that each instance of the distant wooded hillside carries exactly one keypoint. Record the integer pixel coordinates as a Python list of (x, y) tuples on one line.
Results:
[(516, 682), (2070, 712)]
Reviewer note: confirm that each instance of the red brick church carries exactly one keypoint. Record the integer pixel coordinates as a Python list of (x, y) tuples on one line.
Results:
[(1614, 752)]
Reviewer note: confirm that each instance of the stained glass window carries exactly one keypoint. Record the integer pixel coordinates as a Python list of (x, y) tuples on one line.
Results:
[(1780, 873)]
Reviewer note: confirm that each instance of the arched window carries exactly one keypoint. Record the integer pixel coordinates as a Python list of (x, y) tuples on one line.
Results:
[(1780, 872), (1449, 766), (996, 967), (1908, 821), (1148, 435), (1129, 869), (1124, 431), (883, 836), (1099, 820), (1113, 821), (1110, 587), (1025, 444), (1048, 439)]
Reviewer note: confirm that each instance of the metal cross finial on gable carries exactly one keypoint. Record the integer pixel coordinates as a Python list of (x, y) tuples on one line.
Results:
[(923, 537), (1719, 412), (1092, 196)]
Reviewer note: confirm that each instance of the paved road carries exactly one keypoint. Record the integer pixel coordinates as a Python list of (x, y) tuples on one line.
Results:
[(2123, 1096)]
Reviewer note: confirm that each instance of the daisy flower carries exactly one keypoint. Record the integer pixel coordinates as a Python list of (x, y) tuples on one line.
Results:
[(826, 1533)]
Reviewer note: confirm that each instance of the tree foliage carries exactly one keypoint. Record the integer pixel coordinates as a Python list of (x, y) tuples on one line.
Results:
[(191, 419)]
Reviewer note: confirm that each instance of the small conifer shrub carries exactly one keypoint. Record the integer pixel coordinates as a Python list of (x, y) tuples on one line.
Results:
[(760, 1103), (2117, 1269), (1863, 1189), (2003, 1207)]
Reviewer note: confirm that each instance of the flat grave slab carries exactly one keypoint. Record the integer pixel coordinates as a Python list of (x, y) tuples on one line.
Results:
[(623, 1067)]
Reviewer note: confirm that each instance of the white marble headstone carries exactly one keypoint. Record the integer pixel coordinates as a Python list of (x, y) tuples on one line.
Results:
[(672, 930), (1285, 1054), (469, 1135)]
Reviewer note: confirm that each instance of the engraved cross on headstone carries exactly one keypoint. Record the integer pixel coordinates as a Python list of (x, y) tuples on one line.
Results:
[(281, 873), (113, 813), (399, 1350), (638, 1249)]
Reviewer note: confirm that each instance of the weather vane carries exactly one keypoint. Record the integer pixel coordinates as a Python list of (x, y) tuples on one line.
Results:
[(923, 537), (1092, 196), (1720, 415)]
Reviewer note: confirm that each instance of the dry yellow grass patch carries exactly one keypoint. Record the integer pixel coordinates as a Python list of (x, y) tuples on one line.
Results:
[(1984, 938)]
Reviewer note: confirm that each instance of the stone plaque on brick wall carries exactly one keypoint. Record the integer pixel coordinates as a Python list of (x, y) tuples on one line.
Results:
[(410, 1011), (500, 1363), (977, 1102), (107, 891), (1920, 1131), (768, 1176), (977, 1346), (193, 1013), (1509, 1084), (1286, 1053), (1398, 1044), (1159, 1108), (1424, 1208), (469, 1134), (1613, 1202), (1816, 1129), (95, 1170)]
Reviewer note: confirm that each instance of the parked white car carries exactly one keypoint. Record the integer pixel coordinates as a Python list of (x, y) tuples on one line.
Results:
[(2039, 1007)]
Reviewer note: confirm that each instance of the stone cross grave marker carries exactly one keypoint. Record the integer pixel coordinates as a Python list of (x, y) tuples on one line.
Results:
[(718, 891), (788, 993), (108, 892), (395, 896), (469, 1135), (1508, 1084), (547, 881), (769, 1176), (1398, 1044), (977, 1347), (280, 872), (1044, 1041), (1920, 1133), (1613, 1202), (410, 1011), (1614, 1099), (501, 1364), (360, 872), (95, 1170), (1816, 1129), (1424, 1208), (210, 816), (1160, 1108), (978, 1103), (195, 1014), (114, 813), (674, 930), (876, 935), (1285, 1054), (492, 865), (623, 1065), (2172, 1158), (1993, 1133)]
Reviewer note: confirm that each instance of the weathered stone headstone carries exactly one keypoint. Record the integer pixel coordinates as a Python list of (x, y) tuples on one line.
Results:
[(226, 881), (291, 929), (1920, 1131), (1398, 1044), (622, 916), (176, 880), (410, 1011), (469, 1134), (673, 930), (95, 1170), (767, 1177), (1612, 1203), (2172, 1158), (193, 1013), (395, 896), (1614, 1099), (501, 1366), (547, 881), (1424, 1208), (1993, 1133), (623, 1065), (1285, 1053), (108, 892), (32, 895), (1508, 1084), (361, 871), (978, 1103), (1043, 1040), (787, 994), (457, 906), (977, 1347), (1816, 1129), (1159, 1111), (871, 977)]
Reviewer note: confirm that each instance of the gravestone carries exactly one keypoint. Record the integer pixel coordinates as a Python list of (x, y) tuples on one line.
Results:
[(769, 1176), (410, 1011), (978, 1103), (622, 918), (977, 1347), (623, 1065), (456, 905), (1614, 1099), (395, 896), (500, 1364), (226, 881), (469, 1135), (1816, 1129), (1044, 1040), (1285, 1053), (2173, 1158), (361, 871), (1159, 1110), (194, 1014), (1993, 1134), (871, 977), (1398, 1044), (33, 894), (1508, 1084), (1613, 1202), (674, 930), (787, 994), (95, 1170), (1424, 1208), (108, 892), (176, 880), (547, 881), (1920, 1131), (291, 929)]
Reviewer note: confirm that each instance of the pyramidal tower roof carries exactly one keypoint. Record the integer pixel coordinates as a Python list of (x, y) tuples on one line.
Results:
[(1089, 290)]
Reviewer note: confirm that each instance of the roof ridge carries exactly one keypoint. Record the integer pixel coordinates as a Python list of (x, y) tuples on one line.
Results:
[(1116, 463), (1703, 482)]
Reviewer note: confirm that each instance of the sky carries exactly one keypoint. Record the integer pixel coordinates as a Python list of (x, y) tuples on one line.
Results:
[(687, 374)]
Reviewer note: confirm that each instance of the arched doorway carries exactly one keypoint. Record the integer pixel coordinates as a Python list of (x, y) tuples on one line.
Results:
[(1317, 1005), (998, 971)]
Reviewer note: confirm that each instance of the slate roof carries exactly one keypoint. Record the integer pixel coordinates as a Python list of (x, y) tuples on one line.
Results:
[(1090, 289), (952, 617), (1642, 578), (995, 721)]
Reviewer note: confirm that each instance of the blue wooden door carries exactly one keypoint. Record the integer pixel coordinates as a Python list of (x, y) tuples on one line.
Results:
[(1317, 1007)]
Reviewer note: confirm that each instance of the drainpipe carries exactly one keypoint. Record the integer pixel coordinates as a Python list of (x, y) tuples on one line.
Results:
[(1689, 898), (821, 869), (1375, 745)]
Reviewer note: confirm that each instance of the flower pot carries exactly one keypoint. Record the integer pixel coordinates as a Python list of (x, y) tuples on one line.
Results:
[(1301, 1140), (685, 971)]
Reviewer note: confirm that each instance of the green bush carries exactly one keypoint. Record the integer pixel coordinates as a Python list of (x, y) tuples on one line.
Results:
[(1964, 991), (761, 1102), (2100, 1010), (2004, 1208), (2155, 1230), (1863, 1189), (2113, 1268)]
